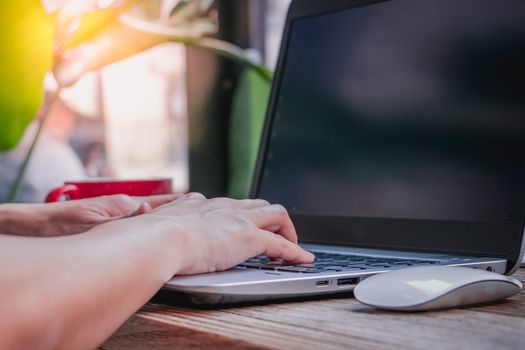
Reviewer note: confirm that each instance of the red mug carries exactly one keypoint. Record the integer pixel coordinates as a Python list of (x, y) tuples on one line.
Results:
[(103, 187)]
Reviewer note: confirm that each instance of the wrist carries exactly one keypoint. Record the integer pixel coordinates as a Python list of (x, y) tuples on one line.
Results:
[(63, 219), (187, 250), (172, 239)]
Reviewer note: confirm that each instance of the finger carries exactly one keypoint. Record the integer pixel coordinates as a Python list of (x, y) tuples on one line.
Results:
[(187, 197), (274, 218), (238, 203), (253, 203), (194, 195), (158, 200), (277, 247), (144, 208)]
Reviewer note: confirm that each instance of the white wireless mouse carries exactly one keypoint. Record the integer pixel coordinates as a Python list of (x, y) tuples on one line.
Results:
[(434, 287)]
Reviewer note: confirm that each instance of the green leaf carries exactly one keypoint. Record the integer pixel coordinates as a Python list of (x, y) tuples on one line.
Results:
[(246, 124), (26, 45)]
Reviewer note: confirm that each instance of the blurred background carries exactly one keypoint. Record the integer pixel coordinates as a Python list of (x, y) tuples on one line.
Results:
[(169, 111)]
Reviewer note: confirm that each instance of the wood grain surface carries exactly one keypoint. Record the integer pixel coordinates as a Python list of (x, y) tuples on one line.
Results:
[(337, 323)]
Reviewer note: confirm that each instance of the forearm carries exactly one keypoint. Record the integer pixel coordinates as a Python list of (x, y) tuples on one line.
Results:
[(23, 219), (73, 292), (72, 217)]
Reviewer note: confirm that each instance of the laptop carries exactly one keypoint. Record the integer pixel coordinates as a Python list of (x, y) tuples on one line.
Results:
[(395, 137)]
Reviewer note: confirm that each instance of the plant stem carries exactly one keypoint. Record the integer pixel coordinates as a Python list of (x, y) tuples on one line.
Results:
[(13, 195)]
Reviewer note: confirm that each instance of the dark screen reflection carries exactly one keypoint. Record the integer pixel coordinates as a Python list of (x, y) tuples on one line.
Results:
[(405, 109)]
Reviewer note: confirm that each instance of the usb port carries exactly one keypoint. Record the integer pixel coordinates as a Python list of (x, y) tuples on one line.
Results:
[(323, 283), (344, 282)]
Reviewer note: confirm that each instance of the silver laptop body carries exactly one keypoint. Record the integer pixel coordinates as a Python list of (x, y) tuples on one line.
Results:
[(392, 142)]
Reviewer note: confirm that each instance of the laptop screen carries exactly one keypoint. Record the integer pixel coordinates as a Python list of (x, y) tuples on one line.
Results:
[(404, 110)]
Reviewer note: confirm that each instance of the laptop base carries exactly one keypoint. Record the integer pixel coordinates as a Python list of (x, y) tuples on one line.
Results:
[(242, 284)]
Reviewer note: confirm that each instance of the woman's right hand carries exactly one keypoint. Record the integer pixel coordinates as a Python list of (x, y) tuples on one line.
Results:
[(217, 234)]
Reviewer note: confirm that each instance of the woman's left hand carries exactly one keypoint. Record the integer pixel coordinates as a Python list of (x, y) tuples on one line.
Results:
[(76, 216)]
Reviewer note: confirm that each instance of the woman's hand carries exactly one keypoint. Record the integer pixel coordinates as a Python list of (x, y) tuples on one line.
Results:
[(216, 234), (118, 266), (66, 218)]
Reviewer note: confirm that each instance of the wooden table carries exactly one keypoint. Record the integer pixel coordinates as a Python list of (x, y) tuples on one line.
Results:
[(338, 323)]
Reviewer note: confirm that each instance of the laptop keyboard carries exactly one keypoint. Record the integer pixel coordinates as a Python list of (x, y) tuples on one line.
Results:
[(331, 262)]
